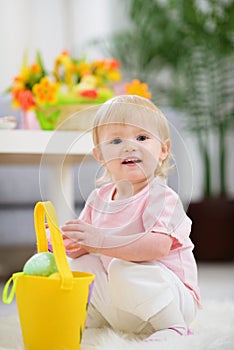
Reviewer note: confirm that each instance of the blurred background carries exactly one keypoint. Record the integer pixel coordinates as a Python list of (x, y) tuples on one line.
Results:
[(183, 50)]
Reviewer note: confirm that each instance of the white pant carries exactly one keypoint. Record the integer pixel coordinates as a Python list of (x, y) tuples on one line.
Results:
[(132, 293)]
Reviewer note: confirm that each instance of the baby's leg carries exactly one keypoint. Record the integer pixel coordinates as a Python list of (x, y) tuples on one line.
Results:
[(152, 293), (102, 311), (91, 263)]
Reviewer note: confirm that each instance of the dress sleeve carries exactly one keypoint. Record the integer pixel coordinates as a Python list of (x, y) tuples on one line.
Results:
[(164, 213)]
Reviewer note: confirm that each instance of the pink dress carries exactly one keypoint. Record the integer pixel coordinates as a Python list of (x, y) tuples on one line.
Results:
[(157, 209)]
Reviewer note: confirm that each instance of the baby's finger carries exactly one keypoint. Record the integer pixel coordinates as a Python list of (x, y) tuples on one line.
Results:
[(72, 227), (75, 236), (72, 222), (70, 245)]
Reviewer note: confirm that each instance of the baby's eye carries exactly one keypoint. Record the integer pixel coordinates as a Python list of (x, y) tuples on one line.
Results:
[(142, 138), (116, 141)]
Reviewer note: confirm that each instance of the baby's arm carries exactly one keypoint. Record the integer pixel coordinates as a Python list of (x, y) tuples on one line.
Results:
[(150, 246), (138, 247)]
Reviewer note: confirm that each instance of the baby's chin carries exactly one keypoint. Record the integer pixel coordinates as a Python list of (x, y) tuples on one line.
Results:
[(131, 186)]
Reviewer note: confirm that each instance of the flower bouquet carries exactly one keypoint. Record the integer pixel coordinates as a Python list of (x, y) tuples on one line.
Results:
[(74, 84)]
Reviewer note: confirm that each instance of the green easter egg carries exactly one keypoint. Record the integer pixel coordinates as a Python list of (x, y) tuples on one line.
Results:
[(41, 264), (55, 276)]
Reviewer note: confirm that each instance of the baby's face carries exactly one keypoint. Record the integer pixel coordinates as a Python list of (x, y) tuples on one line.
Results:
[(129, 152)]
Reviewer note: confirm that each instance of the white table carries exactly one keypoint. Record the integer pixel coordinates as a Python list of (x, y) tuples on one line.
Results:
[(57, 151)]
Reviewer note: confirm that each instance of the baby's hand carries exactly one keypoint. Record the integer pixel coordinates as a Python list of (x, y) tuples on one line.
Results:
[(71, 247), (84, 234)]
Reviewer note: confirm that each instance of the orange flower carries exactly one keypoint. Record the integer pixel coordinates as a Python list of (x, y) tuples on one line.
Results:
[(113, 64), (65, 52), (18, 84), (24, 99), (107, 64), (35, 68), (74, 81), (137, 88), (45, 91), (92, 93), (106, 70)]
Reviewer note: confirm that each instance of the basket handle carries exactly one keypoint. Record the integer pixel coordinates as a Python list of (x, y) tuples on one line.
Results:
[(46, 209)]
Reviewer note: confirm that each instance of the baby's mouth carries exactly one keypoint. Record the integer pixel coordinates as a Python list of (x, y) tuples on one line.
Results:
[(131, 161)]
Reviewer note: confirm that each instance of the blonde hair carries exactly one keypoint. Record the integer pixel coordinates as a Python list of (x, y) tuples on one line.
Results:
[(137, 111)]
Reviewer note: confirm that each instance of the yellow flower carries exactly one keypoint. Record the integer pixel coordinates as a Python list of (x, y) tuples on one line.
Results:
[(137, 88), (45, 92), (63, 66), (72, 80), (114, 75), (24, 74), (83, 68)]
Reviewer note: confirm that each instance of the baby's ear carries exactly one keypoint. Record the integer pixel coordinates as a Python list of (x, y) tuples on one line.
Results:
[(98, 155), (166, 146)]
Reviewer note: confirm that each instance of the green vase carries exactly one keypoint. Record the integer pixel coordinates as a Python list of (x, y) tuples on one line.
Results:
[(47, 118)]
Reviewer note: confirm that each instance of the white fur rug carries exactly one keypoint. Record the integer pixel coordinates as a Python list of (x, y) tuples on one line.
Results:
[(213, 330)]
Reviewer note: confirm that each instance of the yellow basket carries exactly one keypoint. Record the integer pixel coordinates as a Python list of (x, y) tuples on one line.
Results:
[(67, 116), (52, 310)]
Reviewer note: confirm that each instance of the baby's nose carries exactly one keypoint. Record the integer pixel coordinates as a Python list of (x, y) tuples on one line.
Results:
[(129, 146)]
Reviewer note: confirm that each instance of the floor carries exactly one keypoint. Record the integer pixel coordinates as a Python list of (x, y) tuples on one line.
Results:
[(216, 282)]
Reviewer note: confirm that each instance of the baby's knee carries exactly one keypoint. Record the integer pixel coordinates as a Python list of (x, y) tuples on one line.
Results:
[(118, 273), (128, 277), (85, 263)]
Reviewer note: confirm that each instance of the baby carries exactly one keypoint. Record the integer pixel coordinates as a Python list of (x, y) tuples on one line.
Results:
[(133, 233)]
